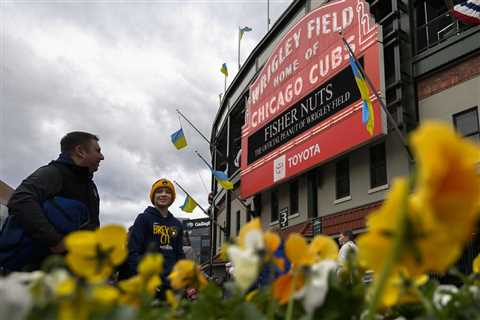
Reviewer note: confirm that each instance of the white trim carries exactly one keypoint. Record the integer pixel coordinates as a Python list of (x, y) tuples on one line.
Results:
[(273, 223), (347, 198), (291, 216), (379, 188)]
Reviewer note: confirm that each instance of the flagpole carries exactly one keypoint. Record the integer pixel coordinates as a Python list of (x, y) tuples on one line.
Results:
[(201, 134), (237, 198), (203, 159), (382, 104), (225, 86), (239, 33), (268, 15), (198, 205)]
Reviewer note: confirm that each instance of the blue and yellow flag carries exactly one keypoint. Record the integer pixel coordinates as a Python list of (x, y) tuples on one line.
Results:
[(224, 69), (223, 179), (367, 108), (178, 139), (189, 204), (243, 30)]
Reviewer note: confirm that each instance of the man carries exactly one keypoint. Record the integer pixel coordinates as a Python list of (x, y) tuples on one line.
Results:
[(347, 246), (157, 230), (70, 176)]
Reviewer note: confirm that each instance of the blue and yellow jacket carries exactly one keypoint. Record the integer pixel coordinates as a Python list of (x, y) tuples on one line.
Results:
[(153, 232)]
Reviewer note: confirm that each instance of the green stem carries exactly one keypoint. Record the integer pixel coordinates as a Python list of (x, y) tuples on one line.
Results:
[(290, 299), (392, 257), (272, 301), (427, 304)]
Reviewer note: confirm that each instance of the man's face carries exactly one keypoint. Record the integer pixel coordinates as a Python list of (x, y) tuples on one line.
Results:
[(90, 155), (163, 197), (342, 239)]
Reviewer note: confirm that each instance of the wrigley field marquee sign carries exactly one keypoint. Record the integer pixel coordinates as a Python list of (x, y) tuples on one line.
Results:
[(304, 108)]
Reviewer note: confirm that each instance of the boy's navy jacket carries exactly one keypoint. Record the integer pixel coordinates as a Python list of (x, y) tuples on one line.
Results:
[(18, 250), (152, 231)]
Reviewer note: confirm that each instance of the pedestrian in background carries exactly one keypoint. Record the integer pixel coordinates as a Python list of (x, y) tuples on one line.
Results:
[(347, 246)]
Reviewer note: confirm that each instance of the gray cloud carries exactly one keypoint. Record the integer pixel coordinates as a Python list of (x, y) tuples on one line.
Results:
[(118, 69)]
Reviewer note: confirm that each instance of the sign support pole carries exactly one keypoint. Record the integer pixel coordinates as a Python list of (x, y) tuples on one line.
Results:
[(201, 208)]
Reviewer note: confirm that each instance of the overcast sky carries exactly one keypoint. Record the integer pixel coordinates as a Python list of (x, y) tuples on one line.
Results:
[(119, 69)]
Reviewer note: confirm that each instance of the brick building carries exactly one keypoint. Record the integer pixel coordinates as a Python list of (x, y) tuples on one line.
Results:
[(430, 69)]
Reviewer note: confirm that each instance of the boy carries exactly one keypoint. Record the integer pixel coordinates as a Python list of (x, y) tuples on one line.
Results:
[(156, 229)]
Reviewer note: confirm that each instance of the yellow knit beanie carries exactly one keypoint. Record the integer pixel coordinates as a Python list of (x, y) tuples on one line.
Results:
[(162, 183)]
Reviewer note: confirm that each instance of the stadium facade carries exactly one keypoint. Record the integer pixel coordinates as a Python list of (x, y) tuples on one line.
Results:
[(298, 153)]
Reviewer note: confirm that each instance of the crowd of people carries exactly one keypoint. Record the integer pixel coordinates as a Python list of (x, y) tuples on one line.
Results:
[(65, 187)]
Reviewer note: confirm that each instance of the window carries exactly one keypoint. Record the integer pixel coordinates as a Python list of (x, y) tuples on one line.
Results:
[(378, 166), (466, 123), (219, 238), (274, 205), (434, 23), (238, 222), (342, 176), (312, 205), (294, 197)]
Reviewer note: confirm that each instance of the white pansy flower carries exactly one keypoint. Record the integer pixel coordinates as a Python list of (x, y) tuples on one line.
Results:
[(443, 294), (245, 263), (316, 287), (15, 297), (254, 240)]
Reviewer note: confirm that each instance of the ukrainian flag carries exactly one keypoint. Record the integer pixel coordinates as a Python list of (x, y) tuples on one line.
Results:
[(223, 179), (243, 30), (224, 69), (178, 139), (188, 205), (367, 109)]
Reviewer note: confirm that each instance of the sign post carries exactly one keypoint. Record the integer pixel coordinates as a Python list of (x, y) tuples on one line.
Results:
[(317, 226), (284, 218)]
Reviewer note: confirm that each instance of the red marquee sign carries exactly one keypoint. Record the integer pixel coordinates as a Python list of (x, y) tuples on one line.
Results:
[(304, 107)]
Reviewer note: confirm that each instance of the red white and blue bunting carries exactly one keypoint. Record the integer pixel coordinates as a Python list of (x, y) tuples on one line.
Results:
[(467, 11)]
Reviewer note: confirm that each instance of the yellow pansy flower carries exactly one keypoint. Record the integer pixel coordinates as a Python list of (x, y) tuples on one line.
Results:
[(153, 283), (297, 251), (476, 264), (422, 236), (323, 247), (66, 287), (400, 289), (172, 299), (105, 295), (151, 264), (301, 254), (448, 183), (286, 285), (252, 294), (132, 286), (77, 309), (186, 273), (93, 254), (135, 288), (271, 241)]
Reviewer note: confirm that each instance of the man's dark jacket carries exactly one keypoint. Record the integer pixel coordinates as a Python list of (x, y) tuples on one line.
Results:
[(152, 231), (59, 178)]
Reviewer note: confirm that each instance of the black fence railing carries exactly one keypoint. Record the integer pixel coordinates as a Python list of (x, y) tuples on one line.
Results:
[(438, 30)]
